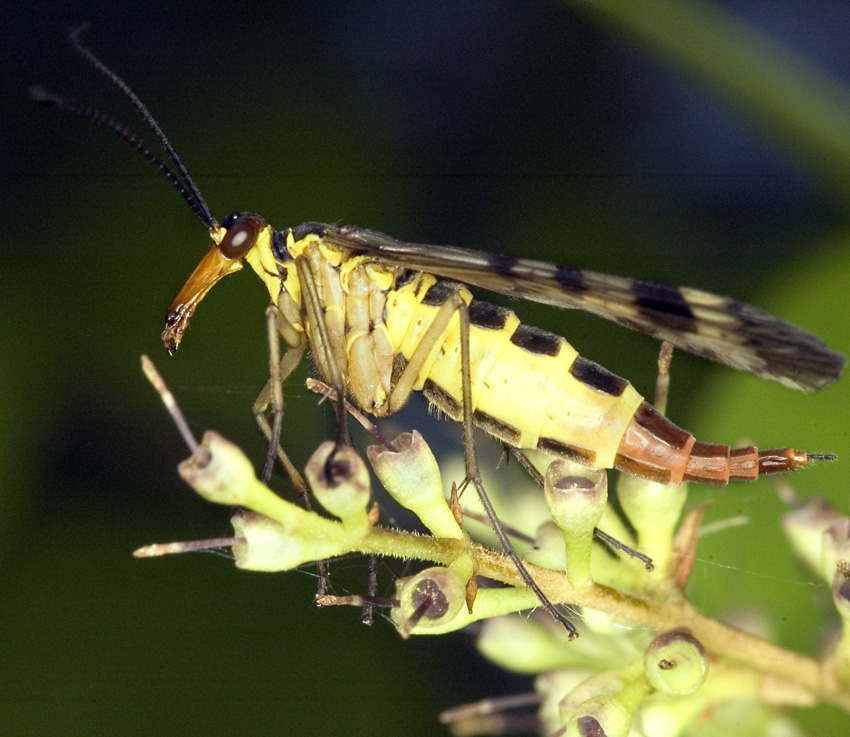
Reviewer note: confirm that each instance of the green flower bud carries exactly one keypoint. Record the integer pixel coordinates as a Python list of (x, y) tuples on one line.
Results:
[(576, 497), (548, 550), (226, 478), (609, 711), (340, 482), (676, 663), (412, 477), (551, 686), (281, 546), (525, 645), (608, 715), (653, 510)]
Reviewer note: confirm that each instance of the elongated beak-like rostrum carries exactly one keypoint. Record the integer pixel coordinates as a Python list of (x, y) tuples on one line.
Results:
[(231, 242), (213, 267)]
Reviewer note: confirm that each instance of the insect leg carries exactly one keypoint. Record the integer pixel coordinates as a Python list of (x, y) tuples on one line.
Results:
[(436, 330), (320, 343), (271, 395), (401, 392), (473, 476), (662, 381)]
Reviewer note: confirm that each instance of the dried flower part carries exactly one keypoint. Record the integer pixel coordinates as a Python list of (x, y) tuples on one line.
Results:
[(428, 600)]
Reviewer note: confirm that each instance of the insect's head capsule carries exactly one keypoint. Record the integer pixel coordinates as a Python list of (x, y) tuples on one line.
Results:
[(237, 235)]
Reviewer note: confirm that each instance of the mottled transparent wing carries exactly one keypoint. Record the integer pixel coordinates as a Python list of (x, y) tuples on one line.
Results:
[(718, 328)]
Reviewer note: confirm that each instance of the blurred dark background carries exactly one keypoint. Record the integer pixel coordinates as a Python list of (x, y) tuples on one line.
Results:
[(522, 128)]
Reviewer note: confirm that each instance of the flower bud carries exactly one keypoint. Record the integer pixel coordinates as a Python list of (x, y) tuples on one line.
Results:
[(340, 482), (281, 546), (548, 550), (412, 477), (676, 663), (608, 715), (526, 645), (617, 695), (576, 497), (653, 510), (226, 478), (841, 597)]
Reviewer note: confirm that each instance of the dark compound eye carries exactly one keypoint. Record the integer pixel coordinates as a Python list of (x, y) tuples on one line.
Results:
[(242, 230)]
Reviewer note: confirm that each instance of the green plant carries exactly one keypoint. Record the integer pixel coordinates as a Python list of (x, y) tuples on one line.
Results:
[(647, 662)]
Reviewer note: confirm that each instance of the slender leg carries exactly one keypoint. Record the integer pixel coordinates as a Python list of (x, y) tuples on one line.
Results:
[(473, 476), (271, 396), (662, 383), (404, 386), (401, 392), (320, 343)]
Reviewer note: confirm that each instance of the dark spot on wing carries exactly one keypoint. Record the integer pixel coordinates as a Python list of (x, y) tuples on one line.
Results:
[(570, 277), (502, 265), (654, 298)]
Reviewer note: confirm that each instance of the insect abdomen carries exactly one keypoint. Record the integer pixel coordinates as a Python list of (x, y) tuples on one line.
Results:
[(529, 387), (655, 448)]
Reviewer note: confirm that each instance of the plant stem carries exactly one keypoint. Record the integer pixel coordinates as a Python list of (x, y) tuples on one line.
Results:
[(716, 637)]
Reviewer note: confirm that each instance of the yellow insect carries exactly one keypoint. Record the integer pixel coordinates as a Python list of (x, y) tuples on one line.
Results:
[(389, 328), (381, 324)]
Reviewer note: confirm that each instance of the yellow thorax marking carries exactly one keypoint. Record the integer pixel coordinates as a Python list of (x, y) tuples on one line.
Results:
[(262, 260)]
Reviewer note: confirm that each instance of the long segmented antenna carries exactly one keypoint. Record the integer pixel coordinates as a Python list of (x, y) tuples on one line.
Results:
[(50, 99), (181, 180), (85, 52)]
